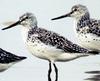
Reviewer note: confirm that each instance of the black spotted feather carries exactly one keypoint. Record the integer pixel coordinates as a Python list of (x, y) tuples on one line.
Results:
[(54, 39)]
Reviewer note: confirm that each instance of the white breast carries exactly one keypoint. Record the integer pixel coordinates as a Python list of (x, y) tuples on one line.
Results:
[(89, 41), (24, 32), (43, 51)]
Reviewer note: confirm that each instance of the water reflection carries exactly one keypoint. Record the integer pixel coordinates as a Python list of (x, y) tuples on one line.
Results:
[(95, 75)]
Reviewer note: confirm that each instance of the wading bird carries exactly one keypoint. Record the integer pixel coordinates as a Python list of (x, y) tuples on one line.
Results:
[(87, 29), (47, 44)]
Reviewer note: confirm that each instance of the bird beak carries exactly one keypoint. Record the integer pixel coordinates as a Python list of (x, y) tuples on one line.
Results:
[(12, 25), (63, 16)]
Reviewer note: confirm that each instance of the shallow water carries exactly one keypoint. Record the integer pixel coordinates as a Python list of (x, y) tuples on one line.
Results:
[(29, 70)]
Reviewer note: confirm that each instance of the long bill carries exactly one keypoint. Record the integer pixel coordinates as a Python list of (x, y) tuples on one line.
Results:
[(63, 16), (12, 25)]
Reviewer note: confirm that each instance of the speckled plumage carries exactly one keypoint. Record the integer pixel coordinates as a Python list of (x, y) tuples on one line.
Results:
[(48, 45), (7, 57), (54, 39), (92, 25), (87, 29), (37, 38)]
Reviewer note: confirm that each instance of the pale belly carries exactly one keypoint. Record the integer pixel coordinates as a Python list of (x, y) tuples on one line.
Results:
[(50, 53), (47, 52), (43, 51), (89, 41)]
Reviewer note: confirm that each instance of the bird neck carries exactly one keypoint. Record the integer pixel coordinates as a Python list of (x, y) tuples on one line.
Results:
[(85, 17), (26, 32), (83, 21)]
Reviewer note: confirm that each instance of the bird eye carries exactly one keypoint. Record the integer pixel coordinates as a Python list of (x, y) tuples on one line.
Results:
[(27, 17), (75, 9)]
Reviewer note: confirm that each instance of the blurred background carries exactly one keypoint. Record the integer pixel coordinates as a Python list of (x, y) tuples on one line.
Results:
[(34, 69)]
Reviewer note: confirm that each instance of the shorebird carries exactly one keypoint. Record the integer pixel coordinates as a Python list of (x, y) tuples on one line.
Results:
[(87, 29), (8, 59), (47, 44)]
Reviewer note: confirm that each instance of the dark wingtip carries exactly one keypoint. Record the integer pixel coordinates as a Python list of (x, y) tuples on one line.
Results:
[(10, 57), (17, 58), (22, 58)]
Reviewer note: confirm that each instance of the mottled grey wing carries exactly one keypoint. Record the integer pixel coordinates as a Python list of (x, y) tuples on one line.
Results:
[(94, 27), (58, 41), (54, 39), (7, 57)]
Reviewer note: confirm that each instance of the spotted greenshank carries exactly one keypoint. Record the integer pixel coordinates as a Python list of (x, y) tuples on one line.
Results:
[(48, 45), (7, 59), (87, 30)]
